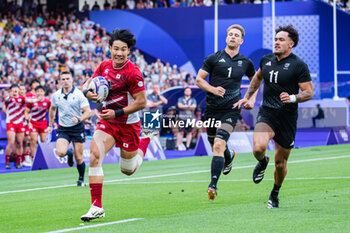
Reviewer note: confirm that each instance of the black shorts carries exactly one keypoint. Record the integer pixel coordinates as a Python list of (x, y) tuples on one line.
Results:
[(230, 117), (72, 134), (282, 122)]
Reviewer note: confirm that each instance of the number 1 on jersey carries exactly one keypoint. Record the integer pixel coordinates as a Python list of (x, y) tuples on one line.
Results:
[(229, 72), (272, 73)]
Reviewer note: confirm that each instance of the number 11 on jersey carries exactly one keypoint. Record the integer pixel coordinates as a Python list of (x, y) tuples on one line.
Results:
[(272, 73)]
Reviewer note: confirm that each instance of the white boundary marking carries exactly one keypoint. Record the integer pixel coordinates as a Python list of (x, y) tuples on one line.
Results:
[(171, 174), (240, 180), (96, 225)]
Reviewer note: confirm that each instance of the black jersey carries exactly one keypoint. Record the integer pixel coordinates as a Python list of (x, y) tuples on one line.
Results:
[(282, 76), (226, 72)]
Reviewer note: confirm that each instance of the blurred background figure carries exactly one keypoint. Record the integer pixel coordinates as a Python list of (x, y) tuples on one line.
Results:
[(319, 116), (187, 105)]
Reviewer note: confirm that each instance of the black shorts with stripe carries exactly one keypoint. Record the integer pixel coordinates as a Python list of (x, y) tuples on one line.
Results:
[(282, 122), (230, 117), (75, 133)]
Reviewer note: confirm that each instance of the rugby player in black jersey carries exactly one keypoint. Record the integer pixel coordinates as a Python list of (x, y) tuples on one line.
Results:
[(284, 74), (225, 69)]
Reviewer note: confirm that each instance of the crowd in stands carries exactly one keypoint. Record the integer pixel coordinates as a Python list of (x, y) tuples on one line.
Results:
[(149, 4), (342, 4), (39, 45)]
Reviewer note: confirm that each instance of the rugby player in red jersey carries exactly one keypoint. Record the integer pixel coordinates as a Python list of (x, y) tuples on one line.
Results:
[(37, 118), (27, 159), (15, 105), (120, 124)]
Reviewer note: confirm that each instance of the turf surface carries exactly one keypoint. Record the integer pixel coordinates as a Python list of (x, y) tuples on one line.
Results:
[(170, 196)]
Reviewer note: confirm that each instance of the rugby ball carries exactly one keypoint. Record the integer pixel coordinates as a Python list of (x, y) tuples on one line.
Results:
[(100, 86)]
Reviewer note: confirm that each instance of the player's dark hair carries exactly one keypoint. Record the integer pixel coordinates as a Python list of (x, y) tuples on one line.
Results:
[(34, 81), (40, 87), (65, 72), (124, 35), (292, 33), (14, 85)]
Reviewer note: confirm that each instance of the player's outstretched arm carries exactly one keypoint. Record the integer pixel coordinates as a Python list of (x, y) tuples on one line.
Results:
[(251, 92), (254, 84), (205, 86)]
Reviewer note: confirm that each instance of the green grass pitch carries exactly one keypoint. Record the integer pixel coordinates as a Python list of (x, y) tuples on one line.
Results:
[(170, 196)]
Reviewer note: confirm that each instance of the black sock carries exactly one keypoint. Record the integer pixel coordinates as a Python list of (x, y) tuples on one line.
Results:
[(275, 190), (217, 164), (81, 170), (227, 155)]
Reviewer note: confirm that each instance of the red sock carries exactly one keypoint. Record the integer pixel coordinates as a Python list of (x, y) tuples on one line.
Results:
[(18, 159), (144, 144), (7, 158), (22, 157), (96, 194)]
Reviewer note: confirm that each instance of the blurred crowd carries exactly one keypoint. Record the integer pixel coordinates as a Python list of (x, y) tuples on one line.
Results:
[(39, 44), (149, 4), (342, 4)]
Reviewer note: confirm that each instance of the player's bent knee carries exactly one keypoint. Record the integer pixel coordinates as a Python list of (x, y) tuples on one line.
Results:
[(223, 134), (259, 148), (60, 153), (279, 164), (129, 166), (94, 157), (219, 146)]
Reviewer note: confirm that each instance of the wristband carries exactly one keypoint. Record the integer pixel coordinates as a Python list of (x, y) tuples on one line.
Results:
[(50, 126), (119, 112), (79, 120), (86, 91), (293, 98)]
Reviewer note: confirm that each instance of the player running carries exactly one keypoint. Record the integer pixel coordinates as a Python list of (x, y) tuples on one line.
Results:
[(284, 74), (120, 123), (226, 69), (73, 109)]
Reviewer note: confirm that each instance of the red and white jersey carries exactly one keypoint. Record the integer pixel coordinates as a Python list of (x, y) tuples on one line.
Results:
[(39, 109), (15, 109), (125, 81), (29, 95)]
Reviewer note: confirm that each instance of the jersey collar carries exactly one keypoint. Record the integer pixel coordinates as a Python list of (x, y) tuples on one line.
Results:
[(290, 55), (228, 55), (118, 68), (66, 96)]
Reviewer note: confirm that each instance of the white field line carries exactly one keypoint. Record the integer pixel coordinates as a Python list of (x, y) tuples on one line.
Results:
[(171, 174), (240, 180), (96, 225)]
